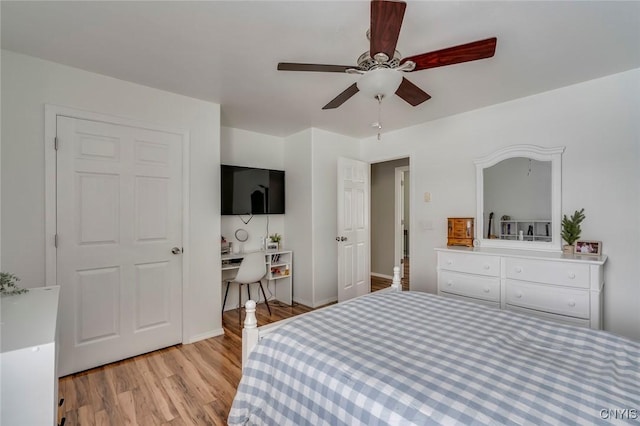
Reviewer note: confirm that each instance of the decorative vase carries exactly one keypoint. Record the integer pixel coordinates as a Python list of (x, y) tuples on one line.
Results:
[(567, 249)]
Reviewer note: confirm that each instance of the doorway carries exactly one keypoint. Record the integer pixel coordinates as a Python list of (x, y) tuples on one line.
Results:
[(390, 225)]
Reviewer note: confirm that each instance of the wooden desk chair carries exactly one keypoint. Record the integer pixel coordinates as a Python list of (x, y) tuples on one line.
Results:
[(252, 270)]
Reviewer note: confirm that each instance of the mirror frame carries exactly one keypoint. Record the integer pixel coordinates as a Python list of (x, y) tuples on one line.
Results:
[(537, 153)]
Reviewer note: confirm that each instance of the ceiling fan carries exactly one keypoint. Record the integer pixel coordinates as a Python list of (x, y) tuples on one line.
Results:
[(382, 66)]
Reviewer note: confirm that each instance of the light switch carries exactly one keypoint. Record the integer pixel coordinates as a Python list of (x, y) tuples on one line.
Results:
[(427, 197)]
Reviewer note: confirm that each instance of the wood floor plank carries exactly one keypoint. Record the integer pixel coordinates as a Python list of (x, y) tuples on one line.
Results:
[(162, 401), (127, 408), (102, 419), (217, 412), (145, 407), (198, 387), (86, 415), (185, 402)]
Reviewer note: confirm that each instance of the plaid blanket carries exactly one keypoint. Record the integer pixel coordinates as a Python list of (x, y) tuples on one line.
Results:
[(404, 358)]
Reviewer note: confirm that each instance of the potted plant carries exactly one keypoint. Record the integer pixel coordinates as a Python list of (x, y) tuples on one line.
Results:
[(8, 285), (276, 238), (571, 230)]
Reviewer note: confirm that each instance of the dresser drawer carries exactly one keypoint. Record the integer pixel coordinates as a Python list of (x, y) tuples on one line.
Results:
[(570, 274), (559, 300), (469, 263), (467, 242), (487, 288)]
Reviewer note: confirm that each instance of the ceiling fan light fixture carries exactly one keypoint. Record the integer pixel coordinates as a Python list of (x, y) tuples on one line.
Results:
[(380, 81)]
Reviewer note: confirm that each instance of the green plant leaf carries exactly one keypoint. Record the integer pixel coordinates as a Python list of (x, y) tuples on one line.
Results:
[(571, 229)]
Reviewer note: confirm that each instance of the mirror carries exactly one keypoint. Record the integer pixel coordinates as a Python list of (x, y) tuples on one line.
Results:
[(519, 198)]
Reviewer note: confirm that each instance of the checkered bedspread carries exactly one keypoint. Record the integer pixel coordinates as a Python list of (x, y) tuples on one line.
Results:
[(413, 358)]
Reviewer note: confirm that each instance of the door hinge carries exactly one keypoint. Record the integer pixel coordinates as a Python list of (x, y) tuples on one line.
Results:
[(55, 241), (55, 143)]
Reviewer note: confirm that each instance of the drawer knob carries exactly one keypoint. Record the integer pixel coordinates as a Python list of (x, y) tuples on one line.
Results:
[(449, 283), (518, 295), (518, 269), (487, 289), (572, 303), (572, 275), (487, 267), (449, 262)]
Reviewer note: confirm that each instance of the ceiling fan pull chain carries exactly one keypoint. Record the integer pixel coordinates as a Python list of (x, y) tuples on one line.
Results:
[(379, 126)]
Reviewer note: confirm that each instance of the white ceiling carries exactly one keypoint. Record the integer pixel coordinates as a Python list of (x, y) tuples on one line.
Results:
[(227, 51)]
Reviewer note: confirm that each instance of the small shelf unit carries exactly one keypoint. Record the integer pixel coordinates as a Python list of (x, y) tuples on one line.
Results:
[(279, 265), (532, 230)]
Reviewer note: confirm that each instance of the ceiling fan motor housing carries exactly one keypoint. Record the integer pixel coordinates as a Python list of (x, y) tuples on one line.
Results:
[(367, 63)]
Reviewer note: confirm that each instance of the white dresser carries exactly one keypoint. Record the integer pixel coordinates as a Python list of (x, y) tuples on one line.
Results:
[(28, 375), (555, 286)]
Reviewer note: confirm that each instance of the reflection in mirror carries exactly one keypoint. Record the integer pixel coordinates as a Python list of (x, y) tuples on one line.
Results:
[(518, 192)]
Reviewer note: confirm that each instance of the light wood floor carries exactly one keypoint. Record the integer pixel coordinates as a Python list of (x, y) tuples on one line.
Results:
[(180, 385), (378, 283)]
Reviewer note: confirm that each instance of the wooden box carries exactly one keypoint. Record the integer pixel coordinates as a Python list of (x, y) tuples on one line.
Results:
[(460, 231)]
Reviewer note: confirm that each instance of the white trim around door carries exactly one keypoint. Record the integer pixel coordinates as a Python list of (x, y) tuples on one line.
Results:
[(51, 112)]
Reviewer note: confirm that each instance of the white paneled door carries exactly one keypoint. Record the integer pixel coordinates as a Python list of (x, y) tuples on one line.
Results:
[(119, 240), (354, 277)]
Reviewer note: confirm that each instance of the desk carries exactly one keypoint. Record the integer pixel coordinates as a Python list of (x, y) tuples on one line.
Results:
[(279, 271)]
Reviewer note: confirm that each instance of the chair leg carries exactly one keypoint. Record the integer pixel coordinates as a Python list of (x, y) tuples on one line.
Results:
[(265, 298), (226, 292)]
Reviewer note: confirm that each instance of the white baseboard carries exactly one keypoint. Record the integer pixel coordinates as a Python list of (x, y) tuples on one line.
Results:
[(326, 301), (303, 302), (375, 274), (203, 336)]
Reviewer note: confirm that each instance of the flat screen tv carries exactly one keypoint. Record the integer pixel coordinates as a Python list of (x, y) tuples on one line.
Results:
[(248, 190)]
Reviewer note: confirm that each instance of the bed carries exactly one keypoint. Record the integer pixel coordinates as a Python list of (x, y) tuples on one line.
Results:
[(416, 358)]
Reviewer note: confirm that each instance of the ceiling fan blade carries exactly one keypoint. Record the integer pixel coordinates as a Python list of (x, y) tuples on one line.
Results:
[(411, 93), (386, 20), (342, 97), (480, 49), (291, 66)]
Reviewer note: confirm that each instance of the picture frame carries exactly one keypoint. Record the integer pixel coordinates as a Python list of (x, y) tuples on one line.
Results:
[(588, 248), (272, 246)]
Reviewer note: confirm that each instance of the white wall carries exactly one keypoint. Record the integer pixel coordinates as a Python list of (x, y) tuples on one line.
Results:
[(298, 227), (597, 121), (27, 84), (244, 148)]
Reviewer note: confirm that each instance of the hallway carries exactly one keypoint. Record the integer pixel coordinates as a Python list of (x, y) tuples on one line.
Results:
[(378, 283)]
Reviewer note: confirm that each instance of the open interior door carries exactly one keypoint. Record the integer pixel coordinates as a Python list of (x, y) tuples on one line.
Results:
[(353, 239)]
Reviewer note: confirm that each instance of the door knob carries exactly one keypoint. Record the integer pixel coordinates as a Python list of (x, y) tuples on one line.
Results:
[(176, 250)]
